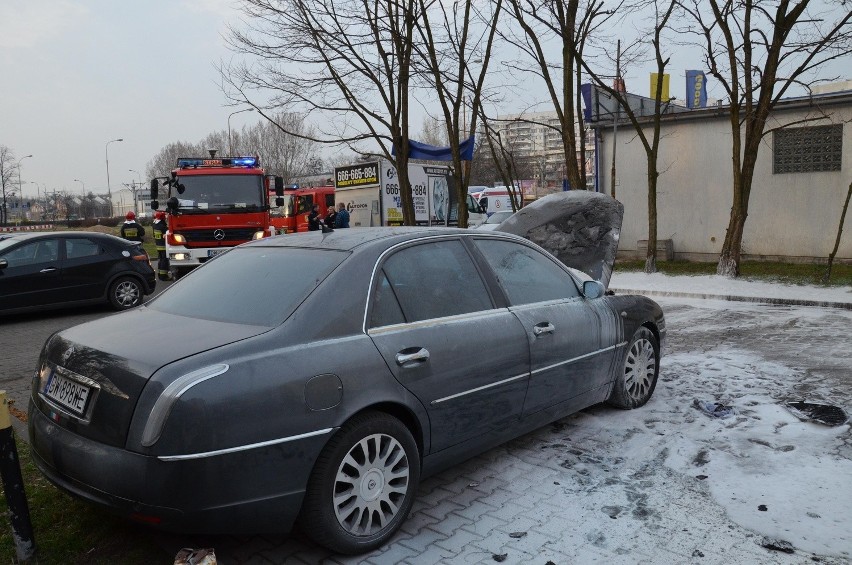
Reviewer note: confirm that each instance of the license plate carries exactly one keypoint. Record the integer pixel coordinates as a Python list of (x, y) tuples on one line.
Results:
[(67, 393), (214, 252)]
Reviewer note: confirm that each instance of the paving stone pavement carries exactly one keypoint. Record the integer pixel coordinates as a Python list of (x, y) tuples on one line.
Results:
[(529, 500)]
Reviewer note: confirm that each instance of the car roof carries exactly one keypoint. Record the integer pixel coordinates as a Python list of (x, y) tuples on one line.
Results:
[(23, 236), (351, 238)]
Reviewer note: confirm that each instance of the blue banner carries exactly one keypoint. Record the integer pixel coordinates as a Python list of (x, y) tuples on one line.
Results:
[(696, 89), (586, 92), (417, 150)]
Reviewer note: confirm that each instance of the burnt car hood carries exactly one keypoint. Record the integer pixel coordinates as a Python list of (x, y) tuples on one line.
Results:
[(580, 228), (120, 353)]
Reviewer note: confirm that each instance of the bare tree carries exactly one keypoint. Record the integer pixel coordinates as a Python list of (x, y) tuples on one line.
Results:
[(282, 153), (827, 276), (164, 161), (663, 12), (758, 50), (349, 63), (572, 24), (456, 55), (8, 167)]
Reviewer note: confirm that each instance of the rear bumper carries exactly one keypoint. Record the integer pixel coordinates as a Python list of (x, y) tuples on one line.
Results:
[(248, 492)]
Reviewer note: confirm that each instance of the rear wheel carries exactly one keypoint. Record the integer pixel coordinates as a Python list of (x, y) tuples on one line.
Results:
[(363, 485), (638, 378), (125, 292)]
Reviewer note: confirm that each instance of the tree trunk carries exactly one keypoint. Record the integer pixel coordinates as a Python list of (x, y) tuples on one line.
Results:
[(651, 255), (827, 277)]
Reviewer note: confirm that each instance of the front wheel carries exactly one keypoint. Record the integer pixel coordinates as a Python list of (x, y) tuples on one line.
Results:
[(125, 292), (636, 382), (363, 485)]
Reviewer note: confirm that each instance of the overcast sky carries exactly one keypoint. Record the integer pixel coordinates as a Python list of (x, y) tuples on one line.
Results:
[(77, 74)]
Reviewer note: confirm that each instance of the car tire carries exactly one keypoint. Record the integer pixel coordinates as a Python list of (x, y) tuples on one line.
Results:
[(638, 377), (125, 293), (363, 485)]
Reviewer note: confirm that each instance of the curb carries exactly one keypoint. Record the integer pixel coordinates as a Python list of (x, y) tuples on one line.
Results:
[(732, 298)]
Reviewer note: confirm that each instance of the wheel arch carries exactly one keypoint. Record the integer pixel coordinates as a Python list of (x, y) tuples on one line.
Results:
[(402, 413)]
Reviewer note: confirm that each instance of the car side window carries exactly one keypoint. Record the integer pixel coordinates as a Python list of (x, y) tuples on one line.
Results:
[(386, 310), (76, 248), (525, 274), (42, 251), (434, 280)]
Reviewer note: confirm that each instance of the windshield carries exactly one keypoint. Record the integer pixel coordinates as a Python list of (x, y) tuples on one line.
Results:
[(472, 205), (223, 193), (258, 286)]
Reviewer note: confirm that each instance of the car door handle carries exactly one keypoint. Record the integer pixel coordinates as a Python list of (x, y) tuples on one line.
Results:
[(544, 328), (419, 356), (48, 270)]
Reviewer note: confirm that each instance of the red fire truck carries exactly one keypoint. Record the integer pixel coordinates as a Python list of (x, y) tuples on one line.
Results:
[(214, 204), (292, 216)]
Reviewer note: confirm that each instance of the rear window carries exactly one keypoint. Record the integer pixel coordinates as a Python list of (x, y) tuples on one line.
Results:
[(259, 286)]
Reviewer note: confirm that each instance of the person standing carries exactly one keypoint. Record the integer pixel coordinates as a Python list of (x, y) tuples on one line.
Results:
[(314, 219), (131, 229), (342, 218), (330, 217), (159, 228)]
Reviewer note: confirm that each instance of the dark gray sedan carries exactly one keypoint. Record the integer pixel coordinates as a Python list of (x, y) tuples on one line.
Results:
[(319, 377)]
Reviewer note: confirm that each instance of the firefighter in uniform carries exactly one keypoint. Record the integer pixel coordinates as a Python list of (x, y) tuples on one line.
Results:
[(131, 229), (159, 226)]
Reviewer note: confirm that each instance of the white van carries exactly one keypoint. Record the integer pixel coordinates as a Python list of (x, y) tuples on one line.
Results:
[(495, 198)]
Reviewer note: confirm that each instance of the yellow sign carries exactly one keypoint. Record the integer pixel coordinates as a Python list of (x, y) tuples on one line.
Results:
[(664, 94)]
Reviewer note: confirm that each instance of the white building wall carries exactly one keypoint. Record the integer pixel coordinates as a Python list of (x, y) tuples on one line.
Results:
[(792, 216)]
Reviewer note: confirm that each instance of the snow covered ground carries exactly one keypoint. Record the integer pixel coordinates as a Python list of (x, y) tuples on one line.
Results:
[(667, 483), (713, 286)]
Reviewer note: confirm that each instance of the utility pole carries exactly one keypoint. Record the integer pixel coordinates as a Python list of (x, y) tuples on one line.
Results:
[(618, 89)]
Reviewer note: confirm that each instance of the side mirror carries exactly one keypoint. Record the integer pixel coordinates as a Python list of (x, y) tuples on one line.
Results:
[(3, 263), (180, 188), (279, 188), (593, 289), (155, 189), (155, 204), (279, 201)]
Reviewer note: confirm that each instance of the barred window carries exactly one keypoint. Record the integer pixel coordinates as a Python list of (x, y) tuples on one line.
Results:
[(808, 149)]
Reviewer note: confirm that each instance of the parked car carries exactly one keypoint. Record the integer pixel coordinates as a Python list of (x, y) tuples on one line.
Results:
[(243, 403), (493, 221), (42, 270)]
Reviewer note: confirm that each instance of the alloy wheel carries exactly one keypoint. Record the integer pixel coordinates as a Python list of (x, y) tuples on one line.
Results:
[(371, 484)]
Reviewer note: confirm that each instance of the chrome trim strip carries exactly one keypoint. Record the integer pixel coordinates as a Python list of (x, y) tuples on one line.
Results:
[(581, 357), (242, 447), (436, 321), (477, 389)]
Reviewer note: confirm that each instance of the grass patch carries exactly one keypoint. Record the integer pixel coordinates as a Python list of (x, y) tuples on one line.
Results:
[(67, 530), (787, 273)]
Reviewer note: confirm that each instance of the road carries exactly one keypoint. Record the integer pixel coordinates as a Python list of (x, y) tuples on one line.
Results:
[(662, 484)]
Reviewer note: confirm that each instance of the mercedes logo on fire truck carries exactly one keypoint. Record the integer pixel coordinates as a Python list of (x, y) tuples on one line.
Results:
[(219, 235)]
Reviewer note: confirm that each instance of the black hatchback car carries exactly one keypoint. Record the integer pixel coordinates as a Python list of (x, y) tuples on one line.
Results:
[(42, 270)]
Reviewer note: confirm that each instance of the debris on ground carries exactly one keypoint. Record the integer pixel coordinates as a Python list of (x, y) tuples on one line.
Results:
[(825, 414), (517, 535), (499, 557), (714, 409), (778, 545), (189, 556)]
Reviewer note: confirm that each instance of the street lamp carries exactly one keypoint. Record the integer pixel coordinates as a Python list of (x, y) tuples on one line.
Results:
[(109, 190), (230, 147), (84, 186)]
